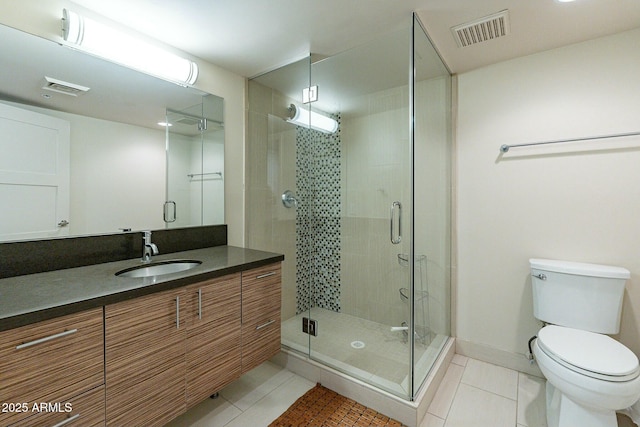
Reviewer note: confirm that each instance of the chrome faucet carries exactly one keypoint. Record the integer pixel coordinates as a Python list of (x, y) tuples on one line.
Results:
[(148, 248)]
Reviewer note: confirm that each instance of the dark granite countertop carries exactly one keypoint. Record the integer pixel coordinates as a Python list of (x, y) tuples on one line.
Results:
[(34, 297)]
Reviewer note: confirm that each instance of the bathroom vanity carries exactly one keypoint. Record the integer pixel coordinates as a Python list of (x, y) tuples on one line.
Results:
[(84, 347)]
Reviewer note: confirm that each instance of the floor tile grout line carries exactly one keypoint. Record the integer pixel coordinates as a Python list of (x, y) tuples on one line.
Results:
[(231, 403), (278, 385), (289, 379), (455, 393), (491, 392), (275, 386), (220, 396), (517, 398)]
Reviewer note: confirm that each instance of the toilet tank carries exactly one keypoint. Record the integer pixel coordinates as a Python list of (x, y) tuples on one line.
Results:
[(578, 295)]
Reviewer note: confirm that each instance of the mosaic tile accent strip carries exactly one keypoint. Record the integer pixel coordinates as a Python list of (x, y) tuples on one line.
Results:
[(323, 407), (318, 220)]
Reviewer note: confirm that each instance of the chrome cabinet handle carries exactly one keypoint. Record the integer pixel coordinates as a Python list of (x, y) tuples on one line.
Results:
[(200, 303), (396, 207), (264, 325), (262, 276), (67, 421), (178, 312), (46, 339)]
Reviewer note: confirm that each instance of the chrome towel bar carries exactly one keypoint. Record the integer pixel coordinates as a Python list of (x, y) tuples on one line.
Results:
[(505, 148)]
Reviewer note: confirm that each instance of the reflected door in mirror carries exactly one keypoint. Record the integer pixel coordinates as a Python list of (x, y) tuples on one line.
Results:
[(34, 174)]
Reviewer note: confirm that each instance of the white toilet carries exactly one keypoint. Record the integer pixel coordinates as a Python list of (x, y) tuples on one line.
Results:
[(589, 374)]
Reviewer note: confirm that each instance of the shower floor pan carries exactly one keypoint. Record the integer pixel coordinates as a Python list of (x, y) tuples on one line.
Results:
[(363, 349)]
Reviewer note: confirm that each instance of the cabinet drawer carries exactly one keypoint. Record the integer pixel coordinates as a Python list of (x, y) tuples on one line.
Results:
[(260, 340), (86, 410), (260, 292), (51, 360)]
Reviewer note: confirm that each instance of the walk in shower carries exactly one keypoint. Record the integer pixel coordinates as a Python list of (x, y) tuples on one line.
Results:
[(359, 205)]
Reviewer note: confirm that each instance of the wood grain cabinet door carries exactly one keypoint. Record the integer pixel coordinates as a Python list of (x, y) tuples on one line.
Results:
[(261, 294), (85, 410), (213, 336), (49, 361), (145, 359)]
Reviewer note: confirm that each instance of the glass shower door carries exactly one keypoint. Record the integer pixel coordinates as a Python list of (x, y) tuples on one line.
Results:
[(431, 105), (361, 186)]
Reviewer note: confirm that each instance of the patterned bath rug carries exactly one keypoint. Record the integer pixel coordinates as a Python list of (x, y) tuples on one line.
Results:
[(321, 407)]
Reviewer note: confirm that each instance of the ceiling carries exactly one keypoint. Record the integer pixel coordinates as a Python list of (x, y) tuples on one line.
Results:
[(250, 37)]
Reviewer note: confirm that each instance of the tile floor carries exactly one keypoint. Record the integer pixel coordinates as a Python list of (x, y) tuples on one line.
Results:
[(479, 394), (472, 393), (254, 400)]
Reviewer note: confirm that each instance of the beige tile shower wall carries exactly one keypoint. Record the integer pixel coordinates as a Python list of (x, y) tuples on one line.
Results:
[(376, 172), (577, 201), (373, 176)]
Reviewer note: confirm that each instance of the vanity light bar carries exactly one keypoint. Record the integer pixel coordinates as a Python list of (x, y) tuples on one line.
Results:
[(98, 39)]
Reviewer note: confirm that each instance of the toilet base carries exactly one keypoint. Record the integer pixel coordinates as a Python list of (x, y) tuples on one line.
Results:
[(564, 412)]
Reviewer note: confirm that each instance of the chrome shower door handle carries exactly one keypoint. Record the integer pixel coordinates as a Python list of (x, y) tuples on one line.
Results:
[(169, 214), (396, 211)]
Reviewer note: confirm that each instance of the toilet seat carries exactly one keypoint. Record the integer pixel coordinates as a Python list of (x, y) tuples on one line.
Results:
[(594, 355)]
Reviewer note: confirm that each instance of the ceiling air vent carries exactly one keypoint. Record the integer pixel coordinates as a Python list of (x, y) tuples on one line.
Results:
[(482, 30), (189, 121), (66, 88)]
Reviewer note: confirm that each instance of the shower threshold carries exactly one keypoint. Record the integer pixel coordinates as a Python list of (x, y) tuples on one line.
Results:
[(363, 349)]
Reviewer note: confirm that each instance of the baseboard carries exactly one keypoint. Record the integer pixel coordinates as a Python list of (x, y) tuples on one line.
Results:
[(515, 361)]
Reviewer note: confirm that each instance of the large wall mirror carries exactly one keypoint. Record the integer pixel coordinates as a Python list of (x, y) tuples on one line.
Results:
[(120, 169)]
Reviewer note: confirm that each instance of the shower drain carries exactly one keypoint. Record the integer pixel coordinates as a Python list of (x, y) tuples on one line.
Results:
[(357, 344)]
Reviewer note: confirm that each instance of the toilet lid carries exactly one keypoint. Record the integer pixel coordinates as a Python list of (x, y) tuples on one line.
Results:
[(595, 355)]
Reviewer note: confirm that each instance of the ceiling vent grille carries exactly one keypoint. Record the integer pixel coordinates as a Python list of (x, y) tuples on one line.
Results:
[(66, 88), (482, 30), (189, 121)]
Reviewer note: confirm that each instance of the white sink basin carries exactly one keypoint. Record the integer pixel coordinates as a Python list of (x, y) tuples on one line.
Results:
[(159, 268)]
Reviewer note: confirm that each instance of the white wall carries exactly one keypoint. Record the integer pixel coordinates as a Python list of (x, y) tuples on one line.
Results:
[(42, 18), (578, 201)]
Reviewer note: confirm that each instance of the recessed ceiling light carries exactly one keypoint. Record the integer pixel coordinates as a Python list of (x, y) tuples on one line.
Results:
[(165, 124), (565, 1)]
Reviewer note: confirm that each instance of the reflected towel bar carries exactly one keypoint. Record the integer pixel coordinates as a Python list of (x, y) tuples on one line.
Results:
[(191, 175), (504, 148)]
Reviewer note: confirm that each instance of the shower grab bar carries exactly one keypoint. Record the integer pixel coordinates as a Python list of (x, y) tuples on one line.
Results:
[(396, 206), (505, 148)]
